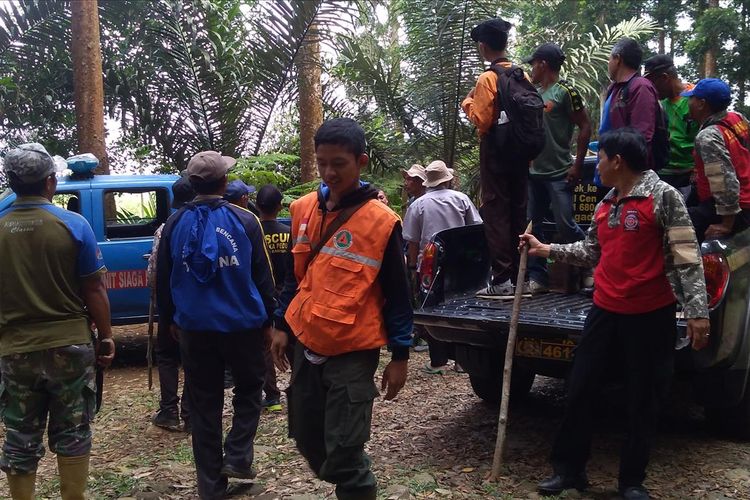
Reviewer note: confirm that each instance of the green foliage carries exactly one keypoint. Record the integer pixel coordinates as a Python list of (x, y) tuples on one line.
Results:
[(273, 168), (391, 183), (587, 54), (711, 31), (182, 76)]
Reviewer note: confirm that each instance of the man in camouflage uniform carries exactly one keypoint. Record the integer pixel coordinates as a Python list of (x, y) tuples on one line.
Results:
[(722, 162), (647, 259), (51, 285)]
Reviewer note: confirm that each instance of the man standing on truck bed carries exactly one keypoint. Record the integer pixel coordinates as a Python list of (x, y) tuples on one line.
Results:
[(632, 100), (503, 195), (439, 208), (552, 175), (51, 286), (352, 299), (647, 258), (722, 162), (660, 71), (215, 287)]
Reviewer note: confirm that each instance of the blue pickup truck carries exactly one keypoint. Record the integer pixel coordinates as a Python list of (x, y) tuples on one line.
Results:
[(124, 211)]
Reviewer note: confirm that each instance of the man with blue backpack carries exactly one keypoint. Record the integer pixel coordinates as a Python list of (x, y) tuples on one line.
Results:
[(215, 287)]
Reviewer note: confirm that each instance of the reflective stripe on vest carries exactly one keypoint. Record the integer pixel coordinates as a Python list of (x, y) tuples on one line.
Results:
[(362, 259), (339, 302)]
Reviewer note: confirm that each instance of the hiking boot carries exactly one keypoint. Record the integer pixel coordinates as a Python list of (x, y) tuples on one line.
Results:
[(534, 287), (556, 484), (229, 470), (501, 290), (167, 419), (271, 404)]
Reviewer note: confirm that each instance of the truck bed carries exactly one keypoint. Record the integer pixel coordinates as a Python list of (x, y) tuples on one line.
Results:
[(553, 313), (549, 310)]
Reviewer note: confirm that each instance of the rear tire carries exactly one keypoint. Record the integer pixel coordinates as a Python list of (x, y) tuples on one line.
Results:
[(732, 422), (489, 389)]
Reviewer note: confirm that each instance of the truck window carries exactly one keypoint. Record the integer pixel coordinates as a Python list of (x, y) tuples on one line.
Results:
[(69, 201), (134, 213)]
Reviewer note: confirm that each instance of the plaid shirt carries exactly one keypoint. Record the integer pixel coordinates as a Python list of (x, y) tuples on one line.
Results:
[(682, 258)]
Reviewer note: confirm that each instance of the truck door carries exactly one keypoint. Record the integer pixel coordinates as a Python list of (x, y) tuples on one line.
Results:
[(125, 222), (73, 199)]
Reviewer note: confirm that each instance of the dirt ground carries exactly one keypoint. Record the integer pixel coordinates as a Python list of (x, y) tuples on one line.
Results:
[(434, 441)]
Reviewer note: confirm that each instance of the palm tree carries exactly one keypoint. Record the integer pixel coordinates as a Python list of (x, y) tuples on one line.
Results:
[(184, 76)]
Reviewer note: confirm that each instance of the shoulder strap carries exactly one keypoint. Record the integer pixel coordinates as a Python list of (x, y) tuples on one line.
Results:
[(344, 215), (725, 125)]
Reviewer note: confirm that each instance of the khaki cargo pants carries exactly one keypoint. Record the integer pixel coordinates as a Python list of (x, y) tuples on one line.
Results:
[(330, 412)]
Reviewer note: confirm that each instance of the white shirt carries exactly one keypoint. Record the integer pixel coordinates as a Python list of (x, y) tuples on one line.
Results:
[(436, 210)]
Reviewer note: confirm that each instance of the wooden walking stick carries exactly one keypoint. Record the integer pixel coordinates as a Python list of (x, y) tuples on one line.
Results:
[(150, 347), (510, 348)]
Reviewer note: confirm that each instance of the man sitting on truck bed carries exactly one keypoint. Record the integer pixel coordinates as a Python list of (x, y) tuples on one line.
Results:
[(722, 162), (648, 258)]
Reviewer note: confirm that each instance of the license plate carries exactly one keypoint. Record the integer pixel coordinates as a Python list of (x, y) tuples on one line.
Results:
[(557, 349)]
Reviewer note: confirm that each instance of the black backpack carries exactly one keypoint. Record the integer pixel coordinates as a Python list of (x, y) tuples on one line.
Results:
[(660, 142), (518, 137)]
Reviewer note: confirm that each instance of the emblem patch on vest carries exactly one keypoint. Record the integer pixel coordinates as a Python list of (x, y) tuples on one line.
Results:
[(631, 222), (342, 240)]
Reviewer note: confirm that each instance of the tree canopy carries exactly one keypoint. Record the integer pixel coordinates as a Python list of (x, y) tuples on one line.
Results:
[(181, 76)]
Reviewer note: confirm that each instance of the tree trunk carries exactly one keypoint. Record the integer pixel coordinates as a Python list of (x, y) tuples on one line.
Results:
[(662, 40), (310, 101), (88, 86), (710, 57)]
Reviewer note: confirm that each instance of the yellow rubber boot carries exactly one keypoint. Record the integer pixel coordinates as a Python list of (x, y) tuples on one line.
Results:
[(22, 486), (74, 475)]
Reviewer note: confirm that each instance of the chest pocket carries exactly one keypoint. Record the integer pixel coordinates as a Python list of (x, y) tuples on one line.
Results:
[(343, 274)]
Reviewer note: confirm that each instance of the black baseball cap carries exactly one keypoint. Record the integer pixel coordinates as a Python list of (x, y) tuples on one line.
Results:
[(182, 192), (268, 197), (658, 64), (491, 30), (549, 52)]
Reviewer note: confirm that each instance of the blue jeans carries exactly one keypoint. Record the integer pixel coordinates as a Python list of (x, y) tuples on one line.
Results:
[(556, 194)]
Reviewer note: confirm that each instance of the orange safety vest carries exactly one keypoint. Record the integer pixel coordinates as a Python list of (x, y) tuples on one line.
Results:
[(338, 306)]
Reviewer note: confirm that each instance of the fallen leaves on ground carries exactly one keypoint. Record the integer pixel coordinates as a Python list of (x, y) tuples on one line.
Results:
[(434, 441)]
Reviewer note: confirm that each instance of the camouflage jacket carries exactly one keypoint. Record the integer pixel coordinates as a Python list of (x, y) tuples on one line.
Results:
[(682, 259), (151, 269), (712, 149)]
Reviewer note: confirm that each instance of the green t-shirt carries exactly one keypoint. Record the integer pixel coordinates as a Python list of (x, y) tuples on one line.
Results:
[(46, 252), (682, 132), (561, 100)]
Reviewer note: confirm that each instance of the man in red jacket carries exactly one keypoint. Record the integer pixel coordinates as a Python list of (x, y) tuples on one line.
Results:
[(722, 162)]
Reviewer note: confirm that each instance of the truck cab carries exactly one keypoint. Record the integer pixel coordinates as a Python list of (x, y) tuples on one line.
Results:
[(124, 211)]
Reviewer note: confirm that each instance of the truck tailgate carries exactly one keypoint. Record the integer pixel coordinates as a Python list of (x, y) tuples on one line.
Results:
[(553, 313)]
